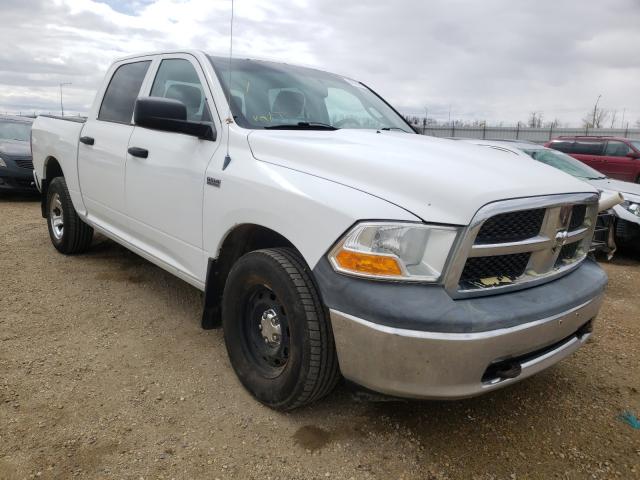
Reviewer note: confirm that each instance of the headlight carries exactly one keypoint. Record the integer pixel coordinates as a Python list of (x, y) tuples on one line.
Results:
[(2, 163), (632, 207), (394, 251)]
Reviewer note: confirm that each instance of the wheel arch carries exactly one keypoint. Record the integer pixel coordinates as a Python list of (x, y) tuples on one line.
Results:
[(51, 170), (239, 240)]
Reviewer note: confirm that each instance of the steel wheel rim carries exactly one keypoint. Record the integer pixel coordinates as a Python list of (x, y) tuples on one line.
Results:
[(264, 317), (56, 217)]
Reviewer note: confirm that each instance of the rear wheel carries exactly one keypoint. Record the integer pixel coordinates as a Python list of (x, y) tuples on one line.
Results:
[(68, 233), (277, 331)]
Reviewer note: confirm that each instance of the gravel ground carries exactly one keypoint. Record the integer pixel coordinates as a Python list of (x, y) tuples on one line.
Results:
[(105, 373)]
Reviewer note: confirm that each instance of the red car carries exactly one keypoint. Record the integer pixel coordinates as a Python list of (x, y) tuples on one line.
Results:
[(615, 157)]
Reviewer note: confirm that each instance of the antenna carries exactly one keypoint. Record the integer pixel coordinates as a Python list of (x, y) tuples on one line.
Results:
[(227, 158)]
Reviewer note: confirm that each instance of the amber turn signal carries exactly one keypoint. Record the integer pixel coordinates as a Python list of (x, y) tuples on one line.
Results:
[(368, 263)]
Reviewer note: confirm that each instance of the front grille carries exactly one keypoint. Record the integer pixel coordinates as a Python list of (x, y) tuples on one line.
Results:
[(23, 183), (603, 232), (511, 227), (578, 213), (26, 163), (481, 272), (567, 253), (508, 245)]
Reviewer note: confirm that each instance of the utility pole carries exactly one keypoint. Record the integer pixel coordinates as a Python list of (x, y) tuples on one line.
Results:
[(61, 106), (595, 108)]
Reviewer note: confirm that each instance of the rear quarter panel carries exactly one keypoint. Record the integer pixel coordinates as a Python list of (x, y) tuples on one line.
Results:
[(56, 139)]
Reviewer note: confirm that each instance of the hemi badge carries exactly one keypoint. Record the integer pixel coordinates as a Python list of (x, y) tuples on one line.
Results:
[(215, 182)]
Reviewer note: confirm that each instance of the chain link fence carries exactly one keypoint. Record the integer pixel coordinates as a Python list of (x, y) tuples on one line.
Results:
[(538, 135)]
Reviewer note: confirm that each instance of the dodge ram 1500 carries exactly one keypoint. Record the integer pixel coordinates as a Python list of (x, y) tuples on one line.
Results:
[(329, 238)]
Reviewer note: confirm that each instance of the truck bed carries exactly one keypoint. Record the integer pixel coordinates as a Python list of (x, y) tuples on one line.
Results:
[(76, 119)]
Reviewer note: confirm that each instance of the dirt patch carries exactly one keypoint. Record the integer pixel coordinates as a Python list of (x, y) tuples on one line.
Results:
[(311, 437), (106, 373)]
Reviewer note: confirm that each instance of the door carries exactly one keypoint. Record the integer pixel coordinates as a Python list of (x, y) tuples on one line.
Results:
[(164, 191), (617, 163), (589, 152), (103, 147)]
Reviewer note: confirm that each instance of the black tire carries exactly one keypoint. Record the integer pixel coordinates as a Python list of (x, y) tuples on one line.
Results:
[(303, 366), (627, 235), (72, 235)]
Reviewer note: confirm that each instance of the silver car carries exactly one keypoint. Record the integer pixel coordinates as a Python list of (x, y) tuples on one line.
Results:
[(619, 225)]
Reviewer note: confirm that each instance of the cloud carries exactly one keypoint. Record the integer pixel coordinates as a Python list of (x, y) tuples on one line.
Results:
[(494, 60)]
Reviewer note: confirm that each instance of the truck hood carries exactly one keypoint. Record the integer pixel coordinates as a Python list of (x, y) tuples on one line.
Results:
[(438, 180), (15, 148), (629, 190)]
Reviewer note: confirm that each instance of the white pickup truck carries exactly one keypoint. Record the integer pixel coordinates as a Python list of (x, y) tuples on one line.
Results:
[(330, 240)]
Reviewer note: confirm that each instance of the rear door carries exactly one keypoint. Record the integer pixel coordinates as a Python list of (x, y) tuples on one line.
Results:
[(617, 164), (102, 151), (589, 152), (165, 190)]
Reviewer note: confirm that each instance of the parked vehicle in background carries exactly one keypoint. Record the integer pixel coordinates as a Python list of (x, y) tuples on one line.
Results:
[(618, 225), (16, 166), (327, 236), (617, 158)]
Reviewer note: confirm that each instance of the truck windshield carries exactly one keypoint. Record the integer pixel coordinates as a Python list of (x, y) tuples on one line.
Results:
[(15, 131), (564, 162), (274, 95)]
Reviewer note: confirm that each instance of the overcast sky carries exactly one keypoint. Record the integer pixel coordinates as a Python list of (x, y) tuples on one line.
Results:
[(494, 60)]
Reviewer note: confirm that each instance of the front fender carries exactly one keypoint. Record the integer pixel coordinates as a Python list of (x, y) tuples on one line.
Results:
[(310, 212)]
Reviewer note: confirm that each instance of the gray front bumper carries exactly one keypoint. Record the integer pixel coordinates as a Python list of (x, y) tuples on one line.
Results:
[(416, 341), (418, 364)]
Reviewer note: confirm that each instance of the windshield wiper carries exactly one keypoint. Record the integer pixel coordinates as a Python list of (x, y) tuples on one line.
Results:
[(302, 126), (393, 128)]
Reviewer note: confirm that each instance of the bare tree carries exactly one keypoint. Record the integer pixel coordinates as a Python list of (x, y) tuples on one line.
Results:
[(614, 117), (638, 123), (555, 123), (535, 120), (595, 118)]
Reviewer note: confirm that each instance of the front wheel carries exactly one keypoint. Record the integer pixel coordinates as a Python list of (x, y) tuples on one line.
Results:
[(68, 233), (277, 331)]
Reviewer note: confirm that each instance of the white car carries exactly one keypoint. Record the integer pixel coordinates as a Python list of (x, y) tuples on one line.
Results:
[(329, 238), (627, 214)]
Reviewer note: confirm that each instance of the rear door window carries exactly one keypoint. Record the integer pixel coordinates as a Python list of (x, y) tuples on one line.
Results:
[(563, 146), (582, 147), (616, 149), (122, 92)]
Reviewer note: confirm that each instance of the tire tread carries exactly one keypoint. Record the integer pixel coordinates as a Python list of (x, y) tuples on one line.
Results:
[(77, 235), (324, 372)]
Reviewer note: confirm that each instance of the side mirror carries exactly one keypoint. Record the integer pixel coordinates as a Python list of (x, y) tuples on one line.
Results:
[(633, 155), (169, 115)]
